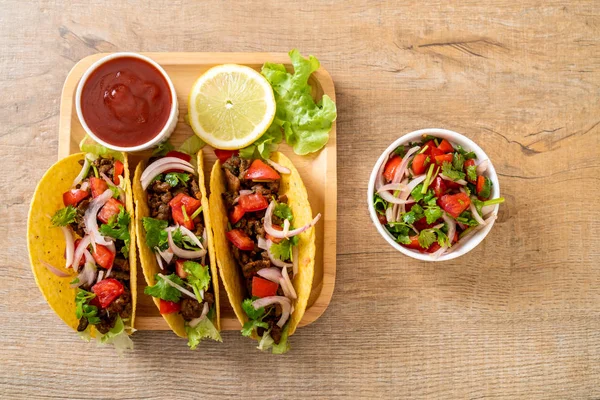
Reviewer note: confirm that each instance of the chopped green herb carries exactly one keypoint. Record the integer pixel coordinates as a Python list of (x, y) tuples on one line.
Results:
[(64, 216)]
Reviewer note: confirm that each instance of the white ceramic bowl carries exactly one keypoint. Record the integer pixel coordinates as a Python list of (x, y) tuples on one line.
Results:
[(454, 138), (167, 130)]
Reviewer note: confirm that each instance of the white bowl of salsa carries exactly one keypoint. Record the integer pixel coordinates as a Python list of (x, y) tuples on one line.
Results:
[(127, 102), (449, 204)]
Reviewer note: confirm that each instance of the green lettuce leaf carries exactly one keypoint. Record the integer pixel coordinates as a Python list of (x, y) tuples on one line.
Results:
[(305, 124), (162, 149), (204, 330), (192, 145), (118, 337), (87, 145), (264, 145)]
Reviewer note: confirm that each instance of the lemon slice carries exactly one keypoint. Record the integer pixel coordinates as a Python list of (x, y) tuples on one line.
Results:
[(230, 106)]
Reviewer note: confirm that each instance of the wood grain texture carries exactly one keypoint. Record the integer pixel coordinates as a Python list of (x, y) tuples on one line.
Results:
[(518, 317)]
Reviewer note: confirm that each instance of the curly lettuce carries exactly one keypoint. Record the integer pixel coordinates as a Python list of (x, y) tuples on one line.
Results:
[(305, 124), (118, 337), (205, 329)]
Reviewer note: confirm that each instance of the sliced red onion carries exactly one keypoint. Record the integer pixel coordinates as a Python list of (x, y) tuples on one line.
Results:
[(271, 274), (84, 186), (471, 233), (279, 234), (162, 165), (85, 242), (276, 261), (461, 225), (295, 256), (405, 193), (245, 192), (460, 181), (413, 228), (389, 214), (84, 171), (399, 174), (110, 183), (286, 306), (287, 282), (70, 246), (91, 215), (196, 321), (286, 227), (438, 252), (108, 271), (262, 243), (112, 248), (379, 180), (486, 210), (390, 198), (181, 253), (87, 276), (191, 235), (476, 215), (391, 186), (180, 288), (166, 255), (451, 226), (100, 276), (88, 257), (438, 226), (482, 167), (159, 261), (54, 270), (279, 168), (235, 201)]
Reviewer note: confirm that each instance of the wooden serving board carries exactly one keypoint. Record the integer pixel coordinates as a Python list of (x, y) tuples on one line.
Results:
[(318, 171)]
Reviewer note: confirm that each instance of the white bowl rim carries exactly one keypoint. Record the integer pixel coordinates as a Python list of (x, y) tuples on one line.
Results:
[(453, 137), (173, 114)]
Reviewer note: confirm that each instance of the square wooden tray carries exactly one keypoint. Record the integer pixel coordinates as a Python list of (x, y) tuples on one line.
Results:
[(318, 171)]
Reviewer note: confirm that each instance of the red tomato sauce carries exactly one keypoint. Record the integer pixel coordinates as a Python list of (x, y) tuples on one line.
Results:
[(126, 102)]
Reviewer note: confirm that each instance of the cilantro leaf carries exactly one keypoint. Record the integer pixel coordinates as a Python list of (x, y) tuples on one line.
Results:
[(255, 317), (163, 290), (155, 232), (426, 238), (204, 330), (162, 149), (466, 218), (173, 178), (442, 238), (433, 213), (416, 193), (380, 204), (118, 228), (478, 205), (250, 325), (472, 172), (487, 188), (283, 211), (409, 217), (283, 250), (468, 155), (198, 277), (64, 216), (452, 173), (183, 241), (400, 231), (401, 151), (457, 161), (250, 311), (83, 309)]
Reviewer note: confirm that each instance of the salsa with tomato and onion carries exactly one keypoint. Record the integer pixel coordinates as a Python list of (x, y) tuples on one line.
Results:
[(96, 227), (176, 232), (433, 194), (263, 240)]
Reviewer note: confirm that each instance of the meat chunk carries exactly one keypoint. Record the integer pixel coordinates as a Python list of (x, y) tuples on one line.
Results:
[(233, 182), (121, 305), (105, 166), (190, 309), (79, 225)]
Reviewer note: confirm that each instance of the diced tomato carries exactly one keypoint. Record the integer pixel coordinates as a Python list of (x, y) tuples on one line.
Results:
[(240, 239), (103, 256), (420, 164), (382, 219), (469, 163), (391, 167), (452, 185), (236, 214), (179, 154), (82, 261), (110, 209), (108, 290), (74, 196), (455, 238), (263, 288), (435, 152), (98, 186), (169, 307), (277, 240), (414, 243), (480, 183), (433, 248), (439, 160), (439, 187), (430, 145), (191, 205), (119, 168), (445, 146), (179, 269), (422, 224), (253, 202), (259, 171), (454, 204), (224, 155)]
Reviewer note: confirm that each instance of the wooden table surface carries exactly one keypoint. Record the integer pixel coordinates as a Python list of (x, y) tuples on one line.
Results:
[(518, 317)]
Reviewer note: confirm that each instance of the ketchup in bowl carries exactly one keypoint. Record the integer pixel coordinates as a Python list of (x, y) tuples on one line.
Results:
[(126, 101)]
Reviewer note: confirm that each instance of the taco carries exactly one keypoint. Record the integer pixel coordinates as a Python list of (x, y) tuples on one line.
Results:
[(82, 245), (265, 246), (176, 245)]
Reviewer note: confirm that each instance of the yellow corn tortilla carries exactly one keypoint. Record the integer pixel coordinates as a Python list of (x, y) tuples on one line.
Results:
[(46, 242), (147, 258), (231, 275)]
